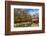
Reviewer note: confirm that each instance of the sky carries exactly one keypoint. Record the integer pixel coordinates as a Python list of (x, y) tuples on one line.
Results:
[(32, 11)]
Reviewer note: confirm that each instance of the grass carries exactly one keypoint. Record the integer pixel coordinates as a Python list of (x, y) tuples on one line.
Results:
[(23, 25)]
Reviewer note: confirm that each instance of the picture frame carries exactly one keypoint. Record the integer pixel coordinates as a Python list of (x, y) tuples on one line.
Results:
[(10, 9)]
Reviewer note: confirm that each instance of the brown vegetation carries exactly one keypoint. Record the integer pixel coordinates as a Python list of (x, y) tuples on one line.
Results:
[(23, 17)]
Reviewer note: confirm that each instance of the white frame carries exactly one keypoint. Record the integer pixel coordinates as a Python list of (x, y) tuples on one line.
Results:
[(25, 28)]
